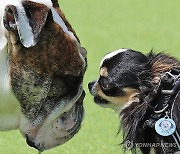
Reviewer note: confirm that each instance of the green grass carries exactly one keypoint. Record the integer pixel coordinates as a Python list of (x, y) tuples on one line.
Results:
[(104, 26)]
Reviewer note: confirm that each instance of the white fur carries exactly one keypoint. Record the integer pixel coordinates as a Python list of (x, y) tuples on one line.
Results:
[(60, 22), (25, 30), (112, 54), (9, 106)]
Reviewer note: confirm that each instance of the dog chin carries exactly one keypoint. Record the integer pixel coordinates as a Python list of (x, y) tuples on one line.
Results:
[(100, 100), (51, 134), (68, 124), (105, 104)]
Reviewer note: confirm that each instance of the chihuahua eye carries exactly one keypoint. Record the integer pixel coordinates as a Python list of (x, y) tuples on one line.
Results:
[(111, 92), (109, 89)]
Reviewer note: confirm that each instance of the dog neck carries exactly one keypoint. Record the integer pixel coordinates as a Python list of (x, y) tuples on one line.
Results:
[(134, 114), (9, 107)]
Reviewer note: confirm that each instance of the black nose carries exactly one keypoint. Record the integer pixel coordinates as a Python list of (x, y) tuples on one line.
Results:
[(90, 85), (30, 143)]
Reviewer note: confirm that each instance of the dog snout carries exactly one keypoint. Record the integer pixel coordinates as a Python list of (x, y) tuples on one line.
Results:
[(90, 85), (31, 143), (93, 88)]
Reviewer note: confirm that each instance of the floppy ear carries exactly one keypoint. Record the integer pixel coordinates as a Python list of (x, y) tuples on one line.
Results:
[(28, 19)]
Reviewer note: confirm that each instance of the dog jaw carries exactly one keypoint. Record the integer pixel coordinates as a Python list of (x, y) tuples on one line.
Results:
[(60, 126), (115, 103)]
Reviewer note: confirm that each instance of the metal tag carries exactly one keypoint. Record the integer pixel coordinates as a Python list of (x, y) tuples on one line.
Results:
[(165, 126)]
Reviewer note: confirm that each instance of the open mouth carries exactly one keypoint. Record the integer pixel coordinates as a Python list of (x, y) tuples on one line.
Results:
[(100, 100)]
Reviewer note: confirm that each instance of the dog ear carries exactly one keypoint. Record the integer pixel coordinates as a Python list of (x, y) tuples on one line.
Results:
[(28, 19)]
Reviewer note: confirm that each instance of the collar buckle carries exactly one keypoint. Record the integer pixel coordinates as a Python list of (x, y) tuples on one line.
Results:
[(170, 80)]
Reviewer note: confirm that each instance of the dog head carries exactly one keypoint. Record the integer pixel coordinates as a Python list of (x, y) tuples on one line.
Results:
[(126, 74), (42, 65), (118, 83), (130, 83)]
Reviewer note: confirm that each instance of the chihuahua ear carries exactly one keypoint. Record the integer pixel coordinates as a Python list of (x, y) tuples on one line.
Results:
[(28, 19)]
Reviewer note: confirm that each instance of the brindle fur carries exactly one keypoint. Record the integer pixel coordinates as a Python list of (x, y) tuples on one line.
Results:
[(40, 75)]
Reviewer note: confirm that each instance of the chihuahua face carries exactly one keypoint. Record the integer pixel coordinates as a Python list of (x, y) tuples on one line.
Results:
[(42, 65), (118, 83)]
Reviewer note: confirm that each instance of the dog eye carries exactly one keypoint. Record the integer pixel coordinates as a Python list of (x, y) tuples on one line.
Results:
[(109, 89), (111, 92)]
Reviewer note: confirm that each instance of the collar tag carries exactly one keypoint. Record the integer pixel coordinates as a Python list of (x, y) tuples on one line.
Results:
[(165, 126)]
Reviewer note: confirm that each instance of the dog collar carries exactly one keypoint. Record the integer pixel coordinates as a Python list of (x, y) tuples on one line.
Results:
[(168, 95), (169, 87)]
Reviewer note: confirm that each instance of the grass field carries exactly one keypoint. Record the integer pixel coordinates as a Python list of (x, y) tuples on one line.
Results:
[(104, 26)]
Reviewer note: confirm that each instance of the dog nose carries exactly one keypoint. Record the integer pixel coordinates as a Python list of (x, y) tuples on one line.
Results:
[(90, 85), (93, 88), (30, 143)]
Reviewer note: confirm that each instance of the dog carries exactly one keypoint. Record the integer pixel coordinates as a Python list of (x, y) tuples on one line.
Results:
[(135, 86), (42, 65)]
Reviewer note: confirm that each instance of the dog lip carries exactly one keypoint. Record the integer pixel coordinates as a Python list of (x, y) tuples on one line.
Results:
[(78, 111), (74, 115), (81, 98), (31, 143), (100, 100)]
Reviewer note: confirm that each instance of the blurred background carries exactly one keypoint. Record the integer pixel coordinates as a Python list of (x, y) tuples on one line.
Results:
[(104, 26)]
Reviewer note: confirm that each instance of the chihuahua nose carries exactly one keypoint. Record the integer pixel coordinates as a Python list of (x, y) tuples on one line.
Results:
[(90, 85), (93, 88), (30, 143)]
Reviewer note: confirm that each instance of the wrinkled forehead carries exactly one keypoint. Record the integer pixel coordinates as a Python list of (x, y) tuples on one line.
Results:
[(111, 55)]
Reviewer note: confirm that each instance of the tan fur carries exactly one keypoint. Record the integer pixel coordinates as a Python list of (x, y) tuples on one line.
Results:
[(161, 66), (103, 72), (121, 100)]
